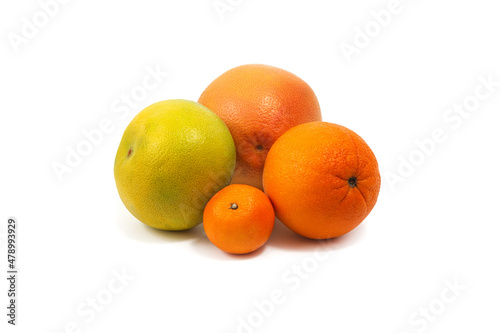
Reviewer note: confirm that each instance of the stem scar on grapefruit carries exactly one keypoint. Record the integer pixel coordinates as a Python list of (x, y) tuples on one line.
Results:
[(259, 103), (322, 179)]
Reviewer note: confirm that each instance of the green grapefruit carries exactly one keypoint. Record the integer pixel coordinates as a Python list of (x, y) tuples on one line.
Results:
[(173, 157)]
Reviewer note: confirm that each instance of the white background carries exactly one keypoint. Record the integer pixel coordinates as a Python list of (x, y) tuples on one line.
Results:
[(441, 224)]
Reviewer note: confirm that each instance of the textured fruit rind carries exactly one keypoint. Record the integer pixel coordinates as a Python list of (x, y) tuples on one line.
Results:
[(307, 174), (259, 103), (173, 157)]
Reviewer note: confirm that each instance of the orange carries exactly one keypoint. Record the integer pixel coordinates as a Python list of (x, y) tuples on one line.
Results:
[(238, 219), (259, 103), (322, 179)]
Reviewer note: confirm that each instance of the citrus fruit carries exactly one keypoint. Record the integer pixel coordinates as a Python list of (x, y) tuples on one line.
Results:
[(173, 157), (259, 103), (322, 179), (239, 219)]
